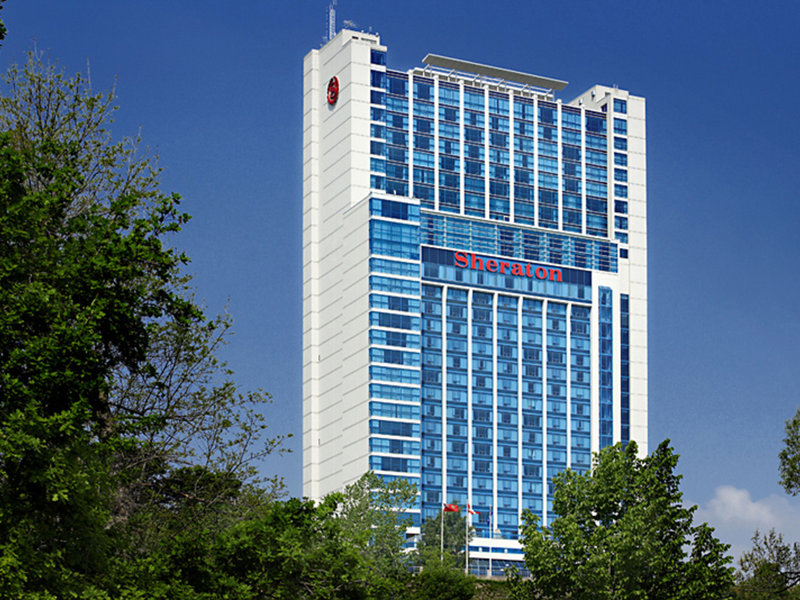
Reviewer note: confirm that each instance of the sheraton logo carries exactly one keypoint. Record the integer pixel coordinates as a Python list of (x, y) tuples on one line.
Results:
[(478, 263)]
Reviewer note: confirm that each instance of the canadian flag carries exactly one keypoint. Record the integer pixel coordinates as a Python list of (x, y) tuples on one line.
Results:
[(470, 511), (450, 508)]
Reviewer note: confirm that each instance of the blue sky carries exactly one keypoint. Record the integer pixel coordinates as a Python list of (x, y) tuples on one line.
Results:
[(215, 88)]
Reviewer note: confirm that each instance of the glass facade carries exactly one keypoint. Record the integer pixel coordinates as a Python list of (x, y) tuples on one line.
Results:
[(500, 363), (499, 224)]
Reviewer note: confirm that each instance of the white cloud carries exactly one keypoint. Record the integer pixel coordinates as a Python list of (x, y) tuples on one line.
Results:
[(735, 516)]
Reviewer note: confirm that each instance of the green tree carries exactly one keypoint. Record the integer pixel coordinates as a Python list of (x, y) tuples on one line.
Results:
[(197, 439), (790, 456), (442, 581), (112, 408), (76, 292), (3, 30), (372, 518), (622, 532), (296, 550), (429, 546), (771, 569)]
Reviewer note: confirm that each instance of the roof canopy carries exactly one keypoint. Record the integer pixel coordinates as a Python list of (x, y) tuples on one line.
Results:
[(496, 72)]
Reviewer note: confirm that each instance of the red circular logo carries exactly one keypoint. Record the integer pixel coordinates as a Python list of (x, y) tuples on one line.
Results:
[(333, 90)]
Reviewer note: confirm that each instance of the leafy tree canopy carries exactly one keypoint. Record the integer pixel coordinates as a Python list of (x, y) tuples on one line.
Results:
[(622, 532), (429, 547), (771, 569), (114, 412), (790, 456)]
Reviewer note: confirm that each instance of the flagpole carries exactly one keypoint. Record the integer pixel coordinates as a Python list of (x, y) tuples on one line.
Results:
[(466, 539), (490, 534), (441, 538)]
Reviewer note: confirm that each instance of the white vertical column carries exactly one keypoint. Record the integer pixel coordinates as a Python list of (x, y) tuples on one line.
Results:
[(444, 394), (544, 412), (616, 364), (494, 411), (511, 165), (536, 161), (560, 168), (436, 142), (411, 183), (462, 146), (583, 169), (610, 169), (519, 410), (486, 153), (594, 358), (568, 358), (469, 399)]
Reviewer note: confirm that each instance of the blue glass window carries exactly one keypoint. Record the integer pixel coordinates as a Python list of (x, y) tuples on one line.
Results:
[(394, 411), (620, 126), (595, 124), (377, 131), (378, 79), (394, 321), (393, 338), (620, 106), (625, 386), (595, 141), (393, 392), (473, 99), (596, 158), (394, 303), (394, 428), (377, 97), (378, 148), (423, 90), (394, 446), (379, 373), (391, 463), (606, 367), (377, 57), (389, 284), (448, 94), (398, 85), (393, 209)]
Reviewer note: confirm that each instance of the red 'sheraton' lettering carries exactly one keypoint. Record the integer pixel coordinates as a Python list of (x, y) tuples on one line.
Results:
[(476, 263)]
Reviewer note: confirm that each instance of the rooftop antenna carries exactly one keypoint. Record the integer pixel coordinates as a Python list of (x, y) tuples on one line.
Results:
[(330, 25)]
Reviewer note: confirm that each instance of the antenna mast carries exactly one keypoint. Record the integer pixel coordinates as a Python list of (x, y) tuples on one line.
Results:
[(331, 21)]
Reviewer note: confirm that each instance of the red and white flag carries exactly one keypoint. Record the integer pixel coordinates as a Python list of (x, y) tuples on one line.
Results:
[(472, 512), (450, 508)]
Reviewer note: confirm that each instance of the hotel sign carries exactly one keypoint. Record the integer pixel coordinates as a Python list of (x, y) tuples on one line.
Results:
[(474, 262), (333, 90)]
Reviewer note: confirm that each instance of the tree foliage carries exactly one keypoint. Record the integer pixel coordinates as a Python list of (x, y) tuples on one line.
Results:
[(623, 532), (372, 518), (790, 456), (441, 581), (771, 569), (455, 533), (347, 546), (113, 411)]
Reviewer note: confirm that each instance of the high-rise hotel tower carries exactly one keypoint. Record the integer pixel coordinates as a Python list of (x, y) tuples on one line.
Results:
[(474, 281)]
